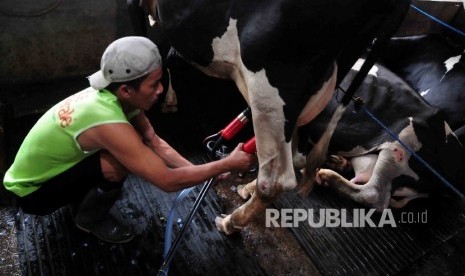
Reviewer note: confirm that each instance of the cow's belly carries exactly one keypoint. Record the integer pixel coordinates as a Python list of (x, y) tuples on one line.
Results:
[(318, 101)]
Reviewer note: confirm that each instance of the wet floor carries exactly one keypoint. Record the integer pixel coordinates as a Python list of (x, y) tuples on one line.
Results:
[(52, 245)]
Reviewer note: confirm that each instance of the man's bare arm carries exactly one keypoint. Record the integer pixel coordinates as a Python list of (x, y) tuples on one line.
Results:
[(123, 142), (171, 157)]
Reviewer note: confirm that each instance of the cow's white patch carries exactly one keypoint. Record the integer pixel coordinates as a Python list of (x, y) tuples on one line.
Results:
[(447, 129), (423, 93), (449, 132), (358, 65), (363, 167), (274, 154), (404, 195), (357, 151), (407, 136), (450, 62), (151, 7)]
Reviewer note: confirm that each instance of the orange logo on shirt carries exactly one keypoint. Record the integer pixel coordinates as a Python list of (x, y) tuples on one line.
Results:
[(64, 113)]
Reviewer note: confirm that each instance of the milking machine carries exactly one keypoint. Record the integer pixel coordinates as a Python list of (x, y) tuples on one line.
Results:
[(217, 149)]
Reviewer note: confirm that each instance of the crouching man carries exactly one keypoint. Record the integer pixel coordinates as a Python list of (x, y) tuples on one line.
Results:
[(81, 150)]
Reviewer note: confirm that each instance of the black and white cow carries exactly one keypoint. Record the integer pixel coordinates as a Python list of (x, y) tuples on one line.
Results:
[(434, 65), (286, 57), (386, 173), (382, 172)]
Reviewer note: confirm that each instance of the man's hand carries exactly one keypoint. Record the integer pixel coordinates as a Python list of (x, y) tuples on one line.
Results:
[(240, 160), (223, 176)]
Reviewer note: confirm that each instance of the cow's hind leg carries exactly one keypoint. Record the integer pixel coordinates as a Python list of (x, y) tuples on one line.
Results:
[(366, 194), (245, 191), (404, 195), (317, 155), (374, 193), (246, 212)]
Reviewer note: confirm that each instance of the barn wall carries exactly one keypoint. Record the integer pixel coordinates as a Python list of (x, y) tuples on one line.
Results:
[(53, 39), (46, 44), (46, 40), (415, 23)]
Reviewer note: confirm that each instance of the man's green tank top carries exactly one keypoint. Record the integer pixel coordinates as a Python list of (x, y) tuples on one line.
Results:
[(51, 148)]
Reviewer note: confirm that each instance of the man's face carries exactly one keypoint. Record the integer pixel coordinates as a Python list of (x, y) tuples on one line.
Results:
[(149, 91)]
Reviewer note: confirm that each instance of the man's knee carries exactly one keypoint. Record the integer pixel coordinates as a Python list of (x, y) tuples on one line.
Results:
[(116, 176), (112, 169)]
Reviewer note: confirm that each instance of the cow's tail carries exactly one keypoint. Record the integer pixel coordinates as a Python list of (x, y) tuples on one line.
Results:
[(170, 101), (317, 156)]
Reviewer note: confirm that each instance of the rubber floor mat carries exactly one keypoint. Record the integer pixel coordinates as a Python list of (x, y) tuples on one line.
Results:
[(52, 245), (388, 248)]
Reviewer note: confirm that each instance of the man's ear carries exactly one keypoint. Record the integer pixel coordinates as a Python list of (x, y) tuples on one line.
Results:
[(124, 91)]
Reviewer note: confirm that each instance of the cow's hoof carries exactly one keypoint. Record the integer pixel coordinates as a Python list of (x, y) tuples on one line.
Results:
[(223, 223), (338, 163), (243, 192), (321, 178)]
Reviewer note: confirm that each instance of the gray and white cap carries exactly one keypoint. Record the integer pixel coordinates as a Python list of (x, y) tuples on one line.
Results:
[(126, 59)]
